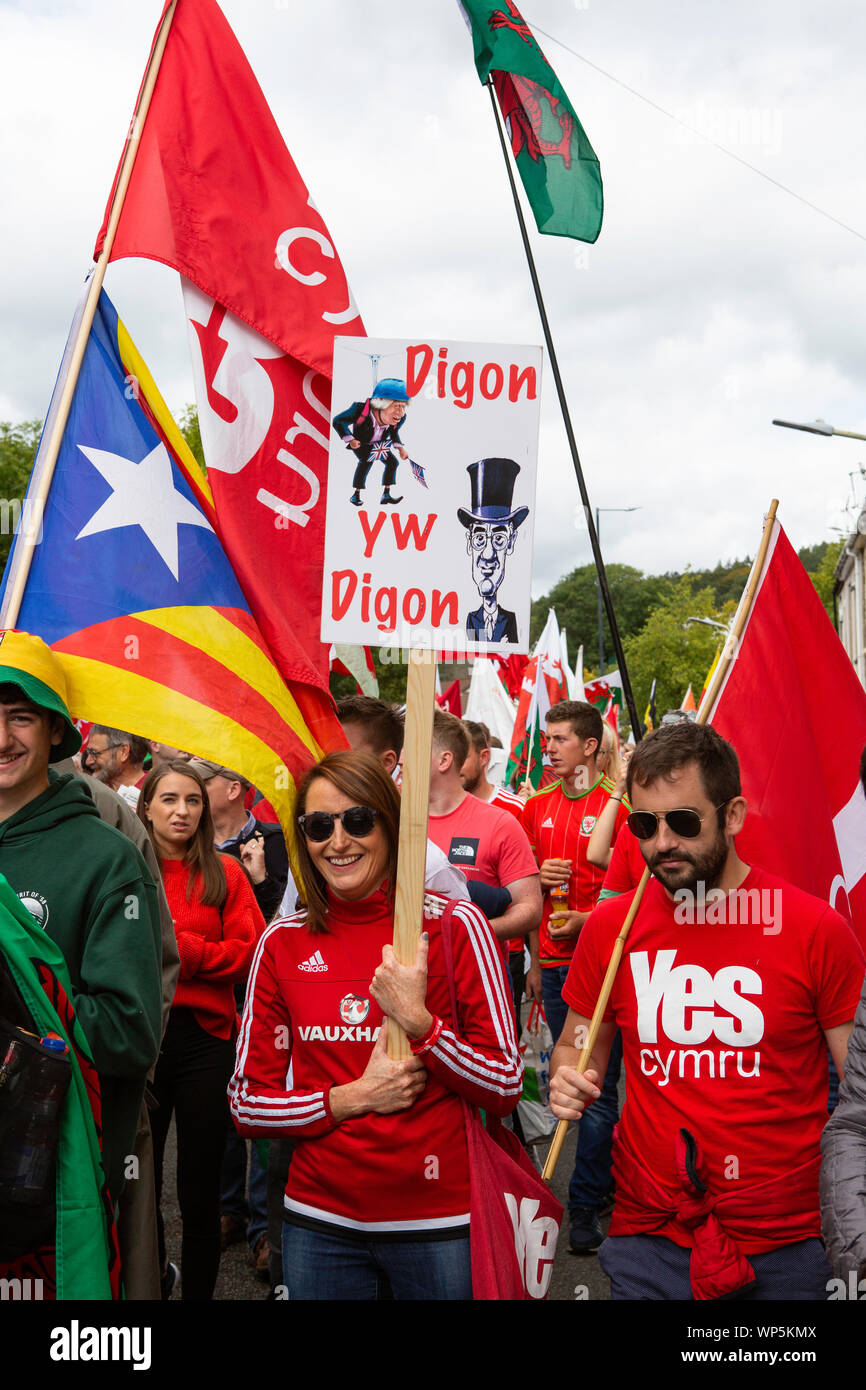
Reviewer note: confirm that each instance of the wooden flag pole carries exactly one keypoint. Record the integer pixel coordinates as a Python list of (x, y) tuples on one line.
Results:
[(728, 656), (47, 459), (412, 848), (595, 1022)]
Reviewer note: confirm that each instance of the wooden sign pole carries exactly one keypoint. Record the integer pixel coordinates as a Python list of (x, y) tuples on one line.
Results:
[(412, 851)]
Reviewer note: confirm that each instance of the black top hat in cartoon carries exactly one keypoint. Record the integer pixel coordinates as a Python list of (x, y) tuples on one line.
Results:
[(492, 489)]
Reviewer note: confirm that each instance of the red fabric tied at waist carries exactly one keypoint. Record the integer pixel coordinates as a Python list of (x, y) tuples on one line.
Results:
[(717, 1268)]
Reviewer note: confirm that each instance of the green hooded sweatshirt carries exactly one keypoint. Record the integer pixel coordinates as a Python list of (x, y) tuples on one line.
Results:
[(89, 889)]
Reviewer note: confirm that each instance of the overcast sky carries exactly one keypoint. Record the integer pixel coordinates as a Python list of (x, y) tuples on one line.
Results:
[(712, 301)]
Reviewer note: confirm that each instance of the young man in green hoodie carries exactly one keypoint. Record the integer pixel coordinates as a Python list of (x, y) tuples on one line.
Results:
[(84, 883)]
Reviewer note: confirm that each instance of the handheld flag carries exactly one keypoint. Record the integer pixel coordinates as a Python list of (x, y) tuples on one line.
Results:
[(418, 473), (807, 811), (651, 716), (543, 685), (558, 166), (215, 194), (132, 590)]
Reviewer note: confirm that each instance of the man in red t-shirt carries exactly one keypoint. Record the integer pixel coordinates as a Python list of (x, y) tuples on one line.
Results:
[(559, 821), (473, 775), (732, 985), (486, 843)]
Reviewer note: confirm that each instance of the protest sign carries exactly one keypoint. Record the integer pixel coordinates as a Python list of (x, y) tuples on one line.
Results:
[(431, 495)]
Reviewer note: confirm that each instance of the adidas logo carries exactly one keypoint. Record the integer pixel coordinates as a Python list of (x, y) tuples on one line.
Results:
[(314, 965), (547, 824)]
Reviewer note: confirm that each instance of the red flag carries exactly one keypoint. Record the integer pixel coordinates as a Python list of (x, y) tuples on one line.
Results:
[(799, 762), (215, 193), (688, 700), (450, 700)]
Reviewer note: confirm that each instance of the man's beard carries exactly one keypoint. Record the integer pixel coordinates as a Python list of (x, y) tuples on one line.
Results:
[(471, 784), (698, 868)]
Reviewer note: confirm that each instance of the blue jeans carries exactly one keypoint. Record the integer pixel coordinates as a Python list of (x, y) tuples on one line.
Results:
[(653, 1267), (317, 1265), (591, 1178), (233, 1181)]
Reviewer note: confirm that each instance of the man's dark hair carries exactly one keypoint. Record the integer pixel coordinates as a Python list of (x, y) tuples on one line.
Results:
[(583, 717), (139, 748), (383, 723), (478, 733), (11, 694), (676, 745)]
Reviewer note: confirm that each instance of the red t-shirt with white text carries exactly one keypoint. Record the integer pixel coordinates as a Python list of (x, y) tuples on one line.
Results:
[(723, 1029)]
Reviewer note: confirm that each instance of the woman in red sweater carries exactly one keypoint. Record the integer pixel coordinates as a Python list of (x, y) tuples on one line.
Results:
[(217, 923), (378, 1189)]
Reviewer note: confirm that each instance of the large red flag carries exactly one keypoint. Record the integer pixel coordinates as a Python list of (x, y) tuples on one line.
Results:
[(799, 742), (215, 194)]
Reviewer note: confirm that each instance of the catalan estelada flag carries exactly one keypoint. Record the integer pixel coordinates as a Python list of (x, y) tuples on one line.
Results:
[(131, 588)]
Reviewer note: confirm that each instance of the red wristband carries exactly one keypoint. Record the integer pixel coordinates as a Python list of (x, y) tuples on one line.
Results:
[(430, 1038)]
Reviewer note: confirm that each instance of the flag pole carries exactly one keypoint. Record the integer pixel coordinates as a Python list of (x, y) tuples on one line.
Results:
[(729, 657), (30, 529), (729, 650), (636, 724)]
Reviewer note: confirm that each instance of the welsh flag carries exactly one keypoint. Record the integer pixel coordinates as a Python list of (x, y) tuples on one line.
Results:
[(558, 166), (544, 684), (807, 820)]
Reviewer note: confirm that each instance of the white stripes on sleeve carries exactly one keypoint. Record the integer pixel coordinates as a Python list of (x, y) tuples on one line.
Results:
[(248, 1108), (504, 1077)]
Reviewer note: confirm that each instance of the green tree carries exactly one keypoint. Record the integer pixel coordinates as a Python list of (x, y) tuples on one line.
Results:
[(673, 651), (822, 577), (18, 445), (191, 431), (575, 599)]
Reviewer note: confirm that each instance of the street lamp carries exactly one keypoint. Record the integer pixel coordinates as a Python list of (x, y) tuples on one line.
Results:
[(819, 427), (710, 622), (598, 583)]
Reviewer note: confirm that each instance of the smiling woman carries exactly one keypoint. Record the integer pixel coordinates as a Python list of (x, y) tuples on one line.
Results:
[(380, 1200)]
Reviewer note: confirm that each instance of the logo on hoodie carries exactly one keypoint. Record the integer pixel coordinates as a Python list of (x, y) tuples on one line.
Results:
[(36, 905)]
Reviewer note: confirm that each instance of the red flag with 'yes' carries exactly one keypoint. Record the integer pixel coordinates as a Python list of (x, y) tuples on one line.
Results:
[(215, 194)]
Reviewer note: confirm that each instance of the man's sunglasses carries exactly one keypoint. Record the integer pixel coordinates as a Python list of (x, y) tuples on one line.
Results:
[(357, 821), (685, 823)]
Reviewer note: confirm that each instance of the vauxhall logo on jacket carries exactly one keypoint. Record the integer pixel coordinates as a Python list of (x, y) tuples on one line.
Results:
[(353, 1008), (686, 1005)]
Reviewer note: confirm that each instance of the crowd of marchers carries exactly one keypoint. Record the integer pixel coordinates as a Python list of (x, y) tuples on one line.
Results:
[(251, 1005)]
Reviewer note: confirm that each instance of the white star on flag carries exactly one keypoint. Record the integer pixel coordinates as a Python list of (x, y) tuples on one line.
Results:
[(143, 494)]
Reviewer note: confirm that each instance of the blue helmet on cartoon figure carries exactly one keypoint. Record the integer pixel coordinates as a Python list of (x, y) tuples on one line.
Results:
[(390, 388)]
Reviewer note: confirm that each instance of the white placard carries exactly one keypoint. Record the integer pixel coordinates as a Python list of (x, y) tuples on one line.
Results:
[(429, 524)]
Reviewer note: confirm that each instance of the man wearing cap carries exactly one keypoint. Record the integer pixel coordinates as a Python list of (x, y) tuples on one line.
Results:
[(84, 883), (372, 429), (491, 526)]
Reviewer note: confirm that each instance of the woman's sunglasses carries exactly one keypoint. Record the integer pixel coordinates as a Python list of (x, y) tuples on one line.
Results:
[(685, 823), (357, 821)]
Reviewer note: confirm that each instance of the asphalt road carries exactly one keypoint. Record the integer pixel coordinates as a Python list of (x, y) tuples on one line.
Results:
[(573, 1276)]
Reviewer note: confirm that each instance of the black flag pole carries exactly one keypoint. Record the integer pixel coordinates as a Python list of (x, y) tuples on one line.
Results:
[(636, 725)]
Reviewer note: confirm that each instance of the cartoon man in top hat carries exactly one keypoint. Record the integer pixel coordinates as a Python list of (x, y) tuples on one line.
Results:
[(491, 527)]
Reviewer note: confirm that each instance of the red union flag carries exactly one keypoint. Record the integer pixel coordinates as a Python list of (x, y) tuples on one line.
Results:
[(799, 762), (215, 194)]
